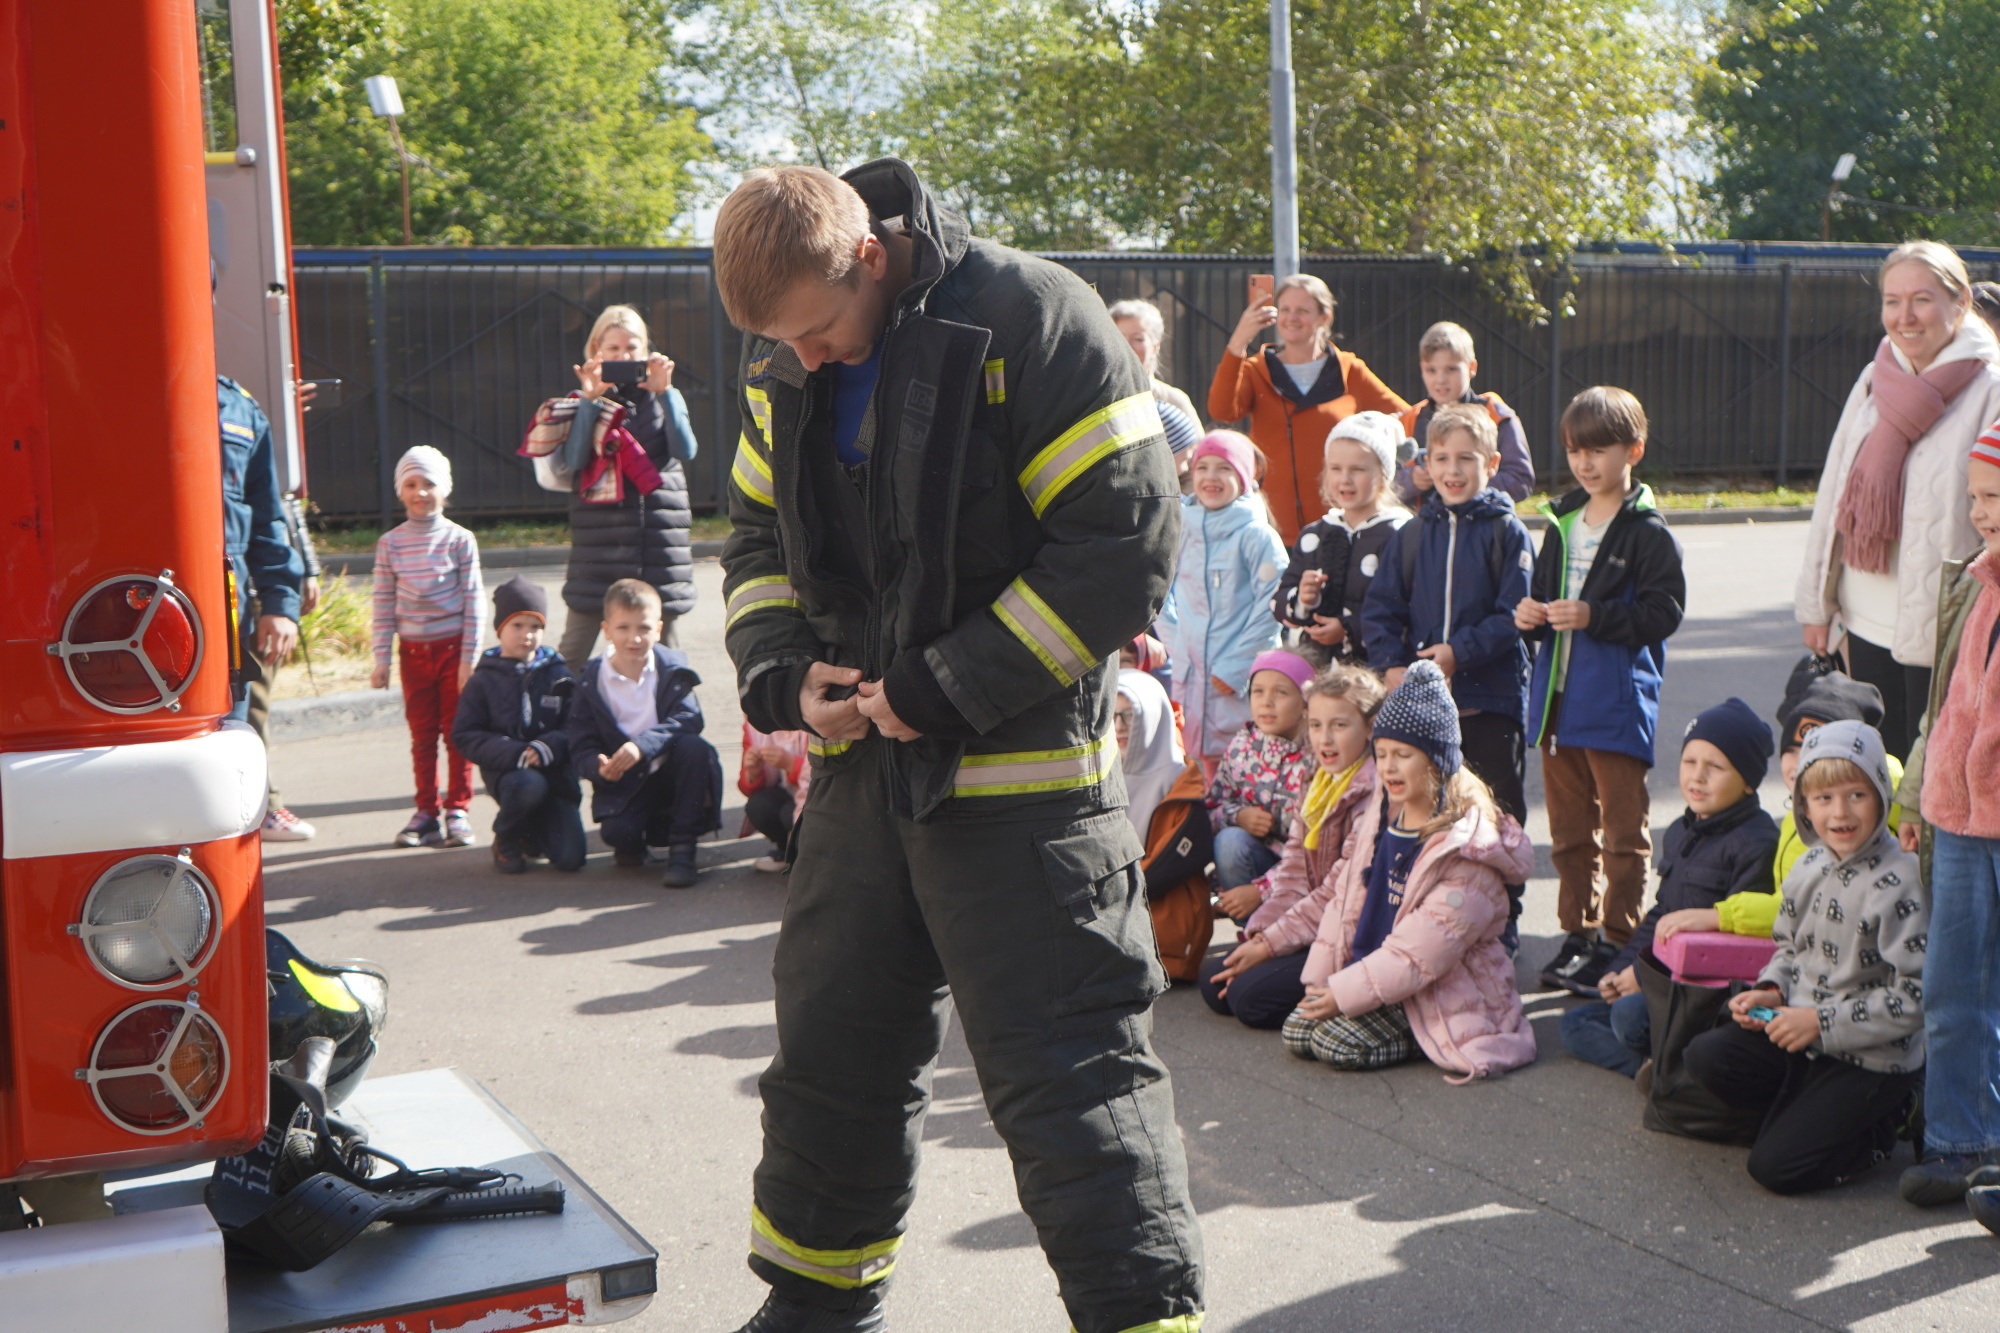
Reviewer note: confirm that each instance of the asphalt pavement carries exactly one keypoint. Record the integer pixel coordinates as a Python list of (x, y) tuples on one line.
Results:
[(626, 1024)]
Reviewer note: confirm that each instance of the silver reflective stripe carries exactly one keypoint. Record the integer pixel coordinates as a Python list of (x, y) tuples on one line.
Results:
[(836, 1268), (1044, 633), (773, 590), (752, 474), (996, 380), (1090, 440), (1035, 770)]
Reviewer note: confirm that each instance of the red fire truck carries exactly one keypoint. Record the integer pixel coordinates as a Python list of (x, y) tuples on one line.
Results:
[(133, 986)]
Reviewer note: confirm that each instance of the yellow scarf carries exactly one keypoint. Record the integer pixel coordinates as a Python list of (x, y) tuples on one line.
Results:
[(1325, 793)]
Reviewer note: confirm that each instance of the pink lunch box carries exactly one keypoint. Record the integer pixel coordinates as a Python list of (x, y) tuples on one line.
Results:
[(1713, 957)]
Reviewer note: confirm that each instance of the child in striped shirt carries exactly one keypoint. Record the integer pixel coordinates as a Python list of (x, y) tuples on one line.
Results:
[(427, 595)]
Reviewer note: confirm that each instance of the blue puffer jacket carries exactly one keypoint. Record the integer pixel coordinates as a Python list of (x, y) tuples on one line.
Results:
[(1456, 599), (1218, 617), (1637, 593)]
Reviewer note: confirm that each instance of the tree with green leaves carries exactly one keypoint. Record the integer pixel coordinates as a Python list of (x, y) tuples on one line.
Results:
[(1910, 87), (528, 121)]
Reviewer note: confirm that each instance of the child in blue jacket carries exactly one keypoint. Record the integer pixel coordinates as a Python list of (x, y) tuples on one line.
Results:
[(1446, 590), (1218, 615), (1606, 593)]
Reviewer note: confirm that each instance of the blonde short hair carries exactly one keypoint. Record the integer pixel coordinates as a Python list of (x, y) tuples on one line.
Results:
[(1445, 336), (1833, 771), (1356, 684), (1941, 260), (617, 317), (783, 226), (631, 595), (1472, 417)]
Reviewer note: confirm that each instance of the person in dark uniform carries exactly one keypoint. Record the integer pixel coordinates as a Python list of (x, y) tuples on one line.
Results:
[(952, 504), (269, 572)]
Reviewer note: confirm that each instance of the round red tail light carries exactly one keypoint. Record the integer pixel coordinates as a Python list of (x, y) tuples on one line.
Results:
[(158, 1067), (131, 644)]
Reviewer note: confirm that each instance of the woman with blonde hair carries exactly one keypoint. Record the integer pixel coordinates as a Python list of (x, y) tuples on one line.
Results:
[(638, 535), (1891, 507), (1296, 392)]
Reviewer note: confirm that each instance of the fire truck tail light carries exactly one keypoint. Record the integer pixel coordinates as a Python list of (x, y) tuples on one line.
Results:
[(148, 922), (158, 1067), (131, 645)]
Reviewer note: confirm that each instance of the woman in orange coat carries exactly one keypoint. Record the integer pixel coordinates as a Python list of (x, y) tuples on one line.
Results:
[(1294, 394)]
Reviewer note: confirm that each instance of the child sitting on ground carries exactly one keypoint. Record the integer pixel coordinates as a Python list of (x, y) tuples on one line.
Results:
[(1409, 957), (426, 602), (1218, 614), (1337, 556), (1445, 354), (1253, 799), (1835, 1069), (773, 779), (1259, 983), (1447, 588), (635, 734), (510, 722), (1607, 591), (1721, 845)]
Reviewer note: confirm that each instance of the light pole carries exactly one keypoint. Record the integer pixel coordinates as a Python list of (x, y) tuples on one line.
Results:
[(1841, 171), (1284, 147), (385, 100)]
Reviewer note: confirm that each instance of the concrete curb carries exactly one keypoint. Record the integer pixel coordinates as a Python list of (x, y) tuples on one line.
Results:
[(356, 564), (313, 715)]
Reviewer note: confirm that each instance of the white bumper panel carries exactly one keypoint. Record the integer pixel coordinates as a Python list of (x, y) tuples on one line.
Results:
[(161, 1272), (116, 797)]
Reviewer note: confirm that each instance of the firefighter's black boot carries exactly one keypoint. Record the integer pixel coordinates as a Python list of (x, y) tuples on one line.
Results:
[(781, 1314)]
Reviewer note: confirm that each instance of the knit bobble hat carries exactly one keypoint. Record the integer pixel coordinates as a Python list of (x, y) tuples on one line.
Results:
[(1986, 449), (1734, 728), (1380, 434), (1420, 712), (1233, 448), (423, 461), (518, 597)]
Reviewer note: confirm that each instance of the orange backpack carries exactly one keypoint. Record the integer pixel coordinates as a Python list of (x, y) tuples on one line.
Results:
[(1183, 923), (1410, 415)]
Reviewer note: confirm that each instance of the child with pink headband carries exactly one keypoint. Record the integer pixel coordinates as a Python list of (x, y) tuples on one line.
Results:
[(1254, 797)]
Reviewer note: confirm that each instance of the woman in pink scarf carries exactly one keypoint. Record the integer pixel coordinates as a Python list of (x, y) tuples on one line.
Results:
[(1891, 507)]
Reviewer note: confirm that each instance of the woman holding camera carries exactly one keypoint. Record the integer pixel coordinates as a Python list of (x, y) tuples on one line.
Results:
[(640, 535)]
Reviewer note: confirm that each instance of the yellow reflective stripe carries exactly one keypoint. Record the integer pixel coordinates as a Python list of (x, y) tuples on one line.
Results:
[(758, 594), (752, 474), (1044, 632), (760, 411), (827, 749), (1096, 437), (996, 380), (1180, 1323), (1035, 770), (836, 1268)]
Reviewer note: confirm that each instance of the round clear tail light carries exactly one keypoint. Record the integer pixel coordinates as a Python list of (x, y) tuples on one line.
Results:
[(158, 1067), (149, 922), (131, 644)]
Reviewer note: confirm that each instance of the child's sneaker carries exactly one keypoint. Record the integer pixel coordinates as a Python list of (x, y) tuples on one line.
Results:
[(281, 825), (769, 865), (507, 857), (1582, 973), (421, 831), (1575, 945), (457, 830)]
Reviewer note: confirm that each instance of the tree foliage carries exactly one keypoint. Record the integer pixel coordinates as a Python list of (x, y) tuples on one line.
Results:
[(1910, 87), (528, 121)]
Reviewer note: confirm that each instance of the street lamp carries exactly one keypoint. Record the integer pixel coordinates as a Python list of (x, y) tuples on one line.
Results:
[(385, 100), (1284, 147), (1841, 171)]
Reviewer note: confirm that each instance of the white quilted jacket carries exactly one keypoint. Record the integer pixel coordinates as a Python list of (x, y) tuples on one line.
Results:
[(1936, 522)]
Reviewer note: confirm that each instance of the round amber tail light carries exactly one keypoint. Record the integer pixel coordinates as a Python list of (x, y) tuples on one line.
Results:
[(131, 644), (158, 1067)]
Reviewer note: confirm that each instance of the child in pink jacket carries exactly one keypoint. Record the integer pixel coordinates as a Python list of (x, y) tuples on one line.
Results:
[(1259, 983), (773, 780), (1408, 958)]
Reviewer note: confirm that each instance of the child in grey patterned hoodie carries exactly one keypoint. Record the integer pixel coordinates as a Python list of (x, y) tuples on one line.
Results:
[(1830, 1041)]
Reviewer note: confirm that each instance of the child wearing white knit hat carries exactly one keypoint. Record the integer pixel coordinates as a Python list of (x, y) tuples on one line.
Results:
[(427, 601)]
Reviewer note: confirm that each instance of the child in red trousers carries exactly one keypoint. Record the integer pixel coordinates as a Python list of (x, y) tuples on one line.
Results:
[(427, 594)]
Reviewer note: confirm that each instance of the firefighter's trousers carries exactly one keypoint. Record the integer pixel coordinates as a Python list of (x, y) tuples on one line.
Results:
[(1037, 929)]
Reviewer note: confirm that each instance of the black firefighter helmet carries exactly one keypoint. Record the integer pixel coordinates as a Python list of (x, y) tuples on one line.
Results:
[(345, 1001)]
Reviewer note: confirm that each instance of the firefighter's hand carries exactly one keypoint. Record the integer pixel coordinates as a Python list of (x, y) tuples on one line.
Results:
[(1326, 631), (1444, 655), (831, 719), (659, 374), (276, 637), (1567, 613), (874, 703), (309, 595), (378, 679), (615, 765)]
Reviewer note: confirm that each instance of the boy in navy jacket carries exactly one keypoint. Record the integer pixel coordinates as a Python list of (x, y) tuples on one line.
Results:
[(1446, 589), (510, 722), (1607, 591), (635, 735)]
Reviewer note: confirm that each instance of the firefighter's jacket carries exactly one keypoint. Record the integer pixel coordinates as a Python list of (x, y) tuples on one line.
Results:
[(1014, 526)]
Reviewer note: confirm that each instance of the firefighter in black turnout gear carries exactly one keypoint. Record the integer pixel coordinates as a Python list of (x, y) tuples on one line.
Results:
[(952, 503)]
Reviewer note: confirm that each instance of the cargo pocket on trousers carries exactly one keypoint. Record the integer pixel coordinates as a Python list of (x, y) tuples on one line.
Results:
[(1104, 956)]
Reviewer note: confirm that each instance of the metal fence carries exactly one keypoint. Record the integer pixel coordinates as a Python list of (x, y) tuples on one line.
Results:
[(1742, 355)]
